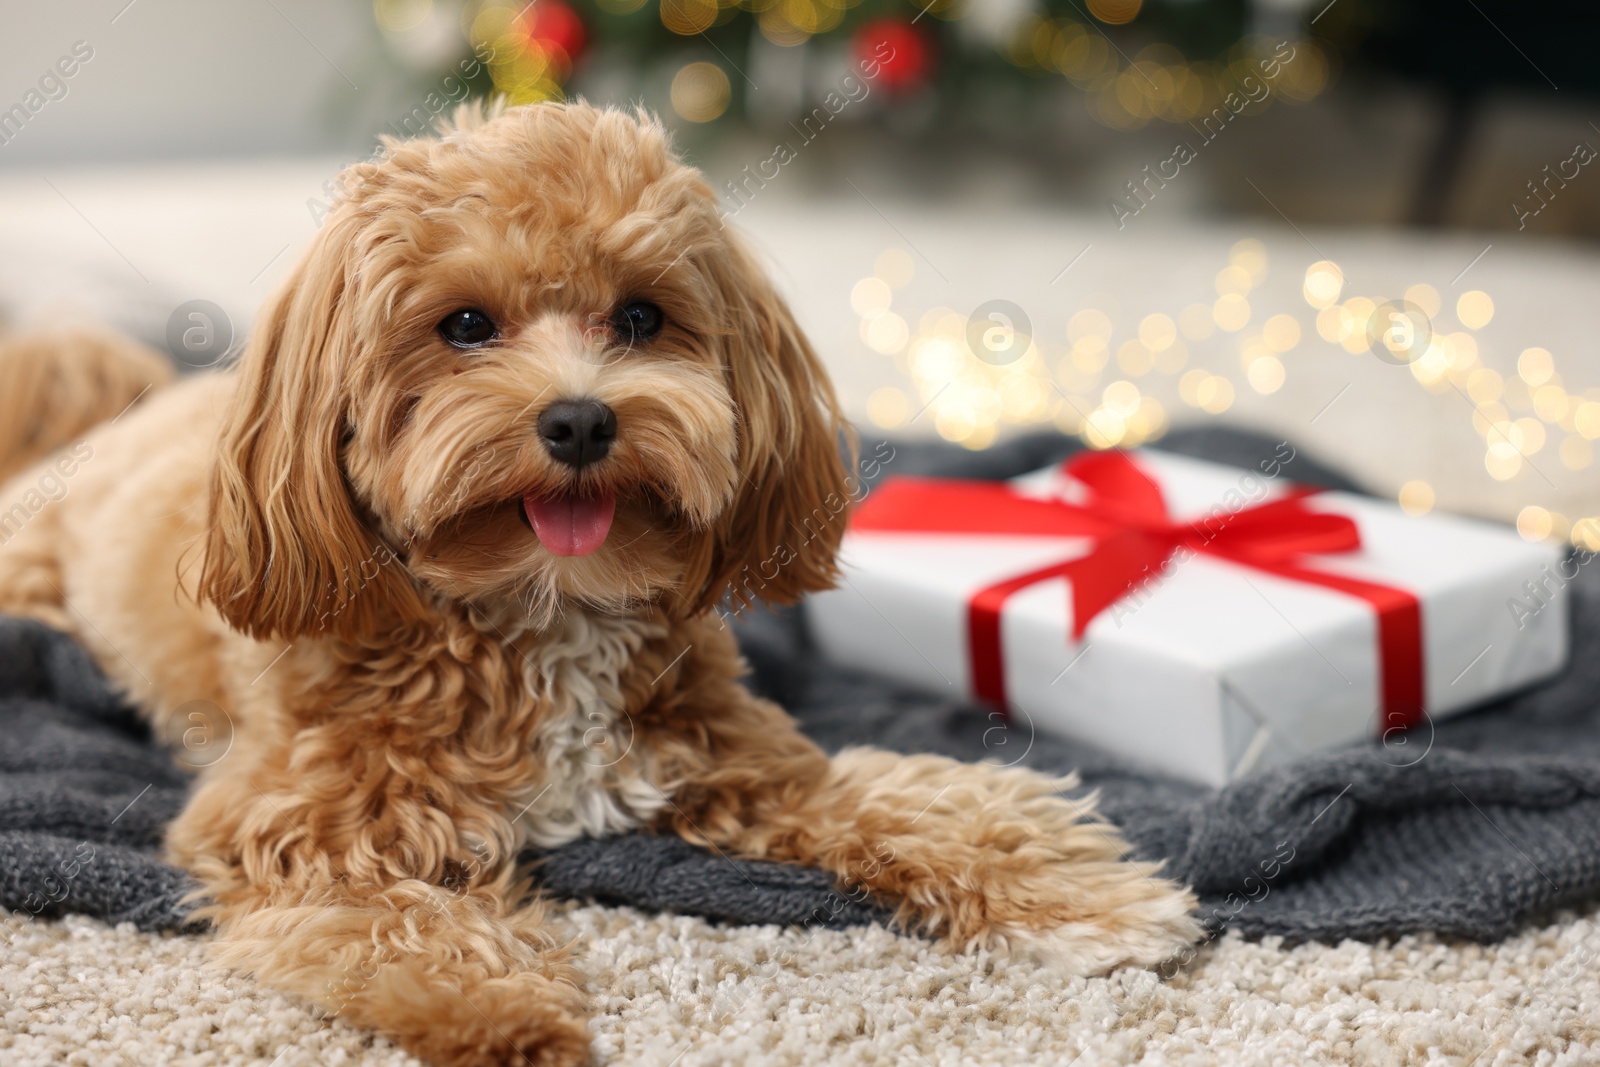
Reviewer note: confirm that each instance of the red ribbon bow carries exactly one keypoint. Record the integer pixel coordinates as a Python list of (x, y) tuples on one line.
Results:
[(1133, 536)]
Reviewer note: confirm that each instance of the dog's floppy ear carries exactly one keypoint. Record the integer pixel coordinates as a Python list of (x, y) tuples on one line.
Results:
[(286, 553), (779, 539)]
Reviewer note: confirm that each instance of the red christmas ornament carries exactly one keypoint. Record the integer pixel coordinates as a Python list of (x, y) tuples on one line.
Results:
[(901, 53), (554, 29)]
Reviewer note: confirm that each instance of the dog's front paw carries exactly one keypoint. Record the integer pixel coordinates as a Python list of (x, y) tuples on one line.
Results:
[(1000, 859), (520, 1020), (538, 1037), (1143, 930), (1064, 893)]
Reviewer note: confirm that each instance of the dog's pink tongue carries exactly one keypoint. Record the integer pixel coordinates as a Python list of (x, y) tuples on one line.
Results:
[(571, 525)]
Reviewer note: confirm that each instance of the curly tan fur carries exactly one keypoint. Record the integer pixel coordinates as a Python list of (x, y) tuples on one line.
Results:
[(326, 545)]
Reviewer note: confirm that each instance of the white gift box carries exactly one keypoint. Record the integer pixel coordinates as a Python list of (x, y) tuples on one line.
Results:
[(1209, 667)]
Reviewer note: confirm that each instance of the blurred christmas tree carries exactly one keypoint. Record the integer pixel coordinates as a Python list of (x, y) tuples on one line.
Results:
[(763, 62)]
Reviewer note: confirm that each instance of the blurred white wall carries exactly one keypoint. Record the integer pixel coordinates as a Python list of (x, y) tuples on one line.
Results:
[(179, 79)]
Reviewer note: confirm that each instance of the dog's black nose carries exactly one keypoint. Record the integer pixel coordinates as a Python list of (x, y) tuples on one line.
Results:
[(577, 432)]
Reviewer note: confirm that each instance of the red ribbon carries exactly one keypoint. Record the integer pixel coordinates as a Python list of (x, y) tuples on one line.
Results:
[(1132, 537)]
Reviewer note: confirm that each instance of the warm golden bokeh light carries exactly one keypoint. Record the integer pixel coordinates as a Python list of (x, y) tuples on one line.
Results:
[(1231, 312), (870, 296), (1475, 309), (1249, 255), (1157, 332), (1265, 375), (1323, 284), (1416, 498), (700, 92), (688, 17), (1425, 297), (1281, 332), (1534, 523), (1115, 12), (1535, 365)]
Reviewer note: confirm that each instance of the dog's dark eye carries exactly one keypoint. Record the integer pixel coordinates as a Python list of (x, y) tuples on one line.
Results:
[(467, 328), (638, 320)]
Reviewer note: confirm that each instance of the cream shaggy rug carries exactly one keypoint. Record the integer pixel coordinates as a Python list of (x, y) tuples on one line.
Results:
[(680, 991)]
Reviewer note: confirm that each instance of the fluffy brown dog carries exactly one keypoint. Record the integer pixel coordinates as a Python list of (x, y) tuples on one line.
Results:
[(446, 547)]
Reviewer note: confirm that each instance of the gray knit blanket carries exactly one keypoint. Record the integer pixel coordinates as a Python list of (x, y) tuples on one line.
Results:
[(1467, 827)]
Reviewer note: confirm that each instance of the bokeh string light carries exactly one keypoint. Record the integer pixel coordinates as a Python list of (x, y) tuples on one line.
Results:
[(1089, 382), (1518, 416), (1089, 386), (1158, 83)]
